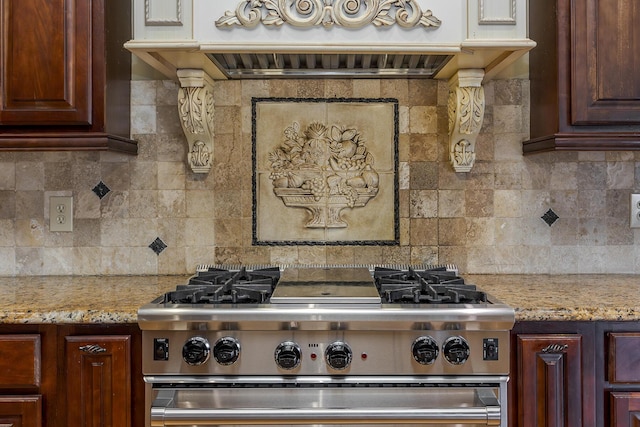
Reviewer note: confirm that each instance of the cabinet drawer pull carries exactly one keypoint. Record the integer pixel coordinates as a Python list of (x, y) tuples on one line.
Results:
[(555, 348), (92, 348)]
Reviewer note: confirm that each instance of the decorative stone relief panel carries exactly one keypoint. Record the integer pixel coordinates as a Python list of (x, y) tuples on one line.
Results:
[(311, 13), (325, 171)]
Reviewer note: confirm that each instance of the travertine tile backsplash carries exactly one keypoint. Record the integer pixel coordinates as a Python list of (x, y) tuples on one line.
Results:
[(486, 221)]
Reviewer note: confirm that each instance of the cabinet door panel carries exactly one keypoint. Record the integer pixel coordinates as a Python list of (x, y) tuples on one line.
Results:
[(46, 62), (549, 380), (625, 409), (98, 381), (606, 87), (21, 411), (20, 361)]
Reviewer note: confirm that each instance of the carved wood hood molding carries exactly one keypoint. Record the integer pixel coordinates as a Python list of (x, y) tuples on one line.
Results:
[(330, 38)]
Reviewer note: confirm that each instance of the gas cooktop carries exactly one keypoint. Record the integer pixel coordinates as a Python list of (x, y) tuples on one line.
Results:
[(418, 284)]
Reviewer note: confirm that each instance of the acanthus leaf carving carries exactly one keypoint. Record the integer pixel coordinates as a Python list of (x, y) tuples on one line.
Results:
[(196, 109), (343, 13), (466, 112)]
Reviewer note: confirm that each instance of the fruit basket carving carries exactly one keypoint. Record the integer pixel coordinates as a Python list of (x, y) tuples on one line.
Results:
[(323, 170)]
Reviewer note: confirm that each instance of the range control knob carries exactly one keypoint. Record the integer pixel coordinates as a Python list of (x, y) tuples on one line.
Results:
[(425, 350), (196, 351), (226, 350), (456, 350), (288, 355), (338, 355)]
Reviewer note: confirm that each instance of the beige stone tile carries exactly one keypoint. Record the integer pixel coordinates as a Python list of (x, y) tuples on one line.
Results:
[(115, 232), (620, 174), (7, 204), (86, 232), (28, 261), (115, 205), (423, 147), (7, 261), (7, 233), (200, 232), (396, 255), (201, 204), (452, 232), (341, 255), (228, 231), (284, 255), (228, 255), (451, 203), (172, 231), (366, 88), (480, 232), (172, 261), (172, 204), (507, 203), (143, 261), (29, 204), (58, 176), (227, 92), (57, 261), (339, 88), (405, 231), (167, 92), (423, 119), (424, 232), (424, 175), (424, 204), (116, 260), (142, 231), (479, 203), (424, 255), (143, 119), (368, 255), (481, 260), (29, 232), (171, 175), (508, 232), (86, 204), (312, 255), (28, 176), (143, 92)]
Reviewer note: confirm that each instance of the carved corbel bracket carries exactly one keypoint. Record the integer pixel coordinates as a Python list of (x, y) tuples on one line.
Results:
[(195, 106), (466, 112)]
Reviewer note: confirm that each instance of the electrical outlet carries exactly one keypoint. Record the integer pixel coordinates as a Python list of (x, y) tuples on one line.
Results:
[(61, 213), (635, 211)]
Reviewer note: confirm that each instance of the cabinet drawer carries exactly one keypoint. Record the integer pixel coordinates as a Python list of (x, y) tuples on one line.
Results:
[(23, 411), (20, 361), (624, 357)]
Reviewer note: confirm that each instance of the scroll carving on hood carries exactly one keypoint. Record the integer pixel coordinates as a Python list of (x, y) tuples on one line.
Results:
[(343, 13)]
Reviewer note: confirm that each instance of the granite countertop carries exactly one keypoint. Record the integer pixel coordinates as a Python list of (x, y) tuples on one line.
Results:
[(116, 299)]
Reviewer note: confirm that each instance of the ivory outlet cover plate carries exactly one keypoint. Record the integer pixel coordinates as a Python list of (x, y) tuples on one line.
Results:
[(61, 213), (635, 211)]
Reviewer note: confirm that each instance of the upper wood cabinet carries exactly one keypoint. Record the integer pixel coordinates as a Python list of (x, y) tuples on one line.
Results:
[(585, 75), (65, 75)]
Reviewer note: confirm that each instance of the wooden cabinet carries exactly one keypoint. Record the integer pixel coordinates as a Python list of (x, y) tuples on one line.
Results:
[(585, 75), (27, 374), (552, 375), (618, 349), (98, 380), (22, 411), (65, 75), (100, 375)]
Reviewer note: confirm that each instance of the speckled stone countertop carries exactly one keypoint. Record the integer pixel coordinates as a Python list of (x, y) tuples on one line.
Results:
[(116, 299)]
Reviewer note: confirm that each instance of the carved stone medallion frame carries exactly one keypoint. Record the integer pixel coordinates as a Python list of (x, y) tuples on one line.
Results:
[(325, 171)]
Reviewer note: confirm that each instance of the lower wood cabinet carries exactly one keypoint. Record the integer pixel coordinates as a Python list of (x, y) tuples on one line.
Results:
[(625, 409), (552, 375), (71, 376), (98, 373), (21, 411)]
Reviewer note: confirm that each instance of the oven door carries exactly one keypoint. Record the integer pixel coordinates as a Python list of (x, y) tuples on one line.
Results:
[(367, 401)]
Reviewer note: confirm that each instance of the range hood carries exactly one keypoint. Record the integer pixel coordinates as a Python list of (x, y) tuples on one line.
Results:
[(466, 42)]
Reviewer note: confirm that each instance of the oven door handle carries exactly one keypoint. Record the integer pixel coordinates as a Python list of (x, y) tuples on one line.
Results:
[(164, 413)]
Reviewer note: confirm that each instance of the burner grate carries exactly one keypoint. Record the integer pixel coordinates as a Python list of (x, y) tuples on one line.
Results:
[(216, 285), (434, 286)]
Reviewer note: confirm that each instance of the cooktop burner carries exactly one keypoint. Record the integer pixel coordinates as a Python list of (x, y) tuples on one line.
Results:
[(432, 286), (389, 285), (217, 285)]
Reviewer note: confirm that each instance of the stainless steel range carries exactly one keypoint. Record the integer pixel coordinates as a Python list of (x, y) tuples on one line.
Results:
[(303, 345)]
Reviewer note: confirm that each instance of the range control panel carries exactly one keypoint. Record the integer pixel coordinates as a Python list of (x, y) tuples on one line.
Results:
[(325, 352)]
